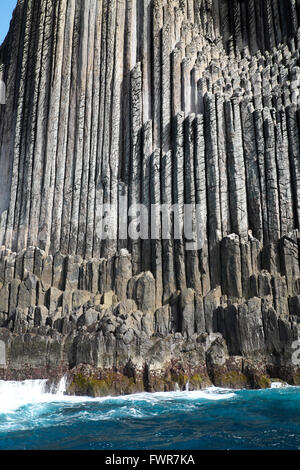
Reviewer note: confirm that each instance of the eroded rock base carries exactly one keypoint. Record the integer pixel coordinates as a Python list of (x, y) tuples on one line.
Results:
[(105, 329)]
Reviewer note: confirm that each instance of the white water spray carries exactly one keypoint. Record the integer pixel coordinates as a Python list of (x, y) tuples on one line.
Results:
[(279, 385), (14, 395)]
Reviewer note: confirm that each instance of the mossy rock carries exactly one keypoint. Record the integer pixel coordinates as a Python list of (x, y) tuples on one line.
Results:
[(159, 384), (110, 378), (233, 379), (126, 386), (88, 386), (264, 382), (196, 382), (180, 378), (98, 388), (296, 380), (168, 386), (79, 385)]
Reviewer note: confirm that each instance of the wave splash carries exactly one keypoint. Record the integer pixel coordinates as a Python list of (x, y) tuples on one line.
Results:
[(14, 395), (31, 417)]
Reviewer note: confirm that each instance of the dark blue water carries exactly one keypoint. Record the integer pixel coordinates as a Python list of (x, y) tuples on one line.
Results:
[(212, 419)]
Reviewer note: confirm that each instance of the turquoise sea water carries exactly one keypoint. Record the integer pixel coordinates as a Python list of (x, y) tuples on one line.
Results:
[(212, 419)]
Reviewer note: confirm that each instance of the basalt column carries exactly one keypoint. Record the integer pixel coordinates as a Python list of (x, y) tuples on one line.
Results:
[(141, 106)]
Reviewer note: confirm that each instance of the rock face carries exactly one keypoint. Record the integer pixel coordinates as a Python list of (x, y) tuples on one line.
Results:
[(151, 102)]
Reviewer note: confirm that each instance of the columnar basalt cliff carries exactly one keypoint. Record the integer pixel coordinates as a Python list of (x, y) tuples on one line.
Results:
[(151, 102)]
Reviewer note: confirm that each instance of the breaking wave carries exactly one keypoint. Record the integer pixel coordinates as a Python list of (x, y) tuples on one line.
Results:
[(33, 418)]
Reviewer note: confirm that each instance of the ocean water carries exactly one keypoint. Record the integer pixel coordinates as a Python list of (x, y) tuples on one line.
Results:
[(215, 419)]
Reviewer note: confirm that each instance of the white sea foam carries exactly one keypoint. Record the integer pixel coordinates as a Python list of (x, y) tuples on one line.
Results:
[(278, 385), (14, 395), (212, 393)]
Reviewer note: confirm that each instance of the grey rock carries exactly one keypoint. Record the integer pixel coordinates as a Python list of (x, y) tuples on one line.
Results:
[(141, 288), (143, 101), (88, 318)]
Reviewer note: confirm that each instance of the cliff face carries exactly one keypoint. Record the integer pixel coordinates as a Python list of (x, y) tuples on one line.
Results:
[(127, 102)]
